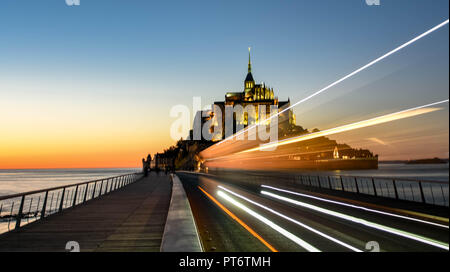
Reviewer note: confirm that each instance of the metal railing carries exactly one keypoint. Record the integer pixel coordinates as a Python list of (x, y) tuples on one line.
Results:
[(429, 192), (20, 209)]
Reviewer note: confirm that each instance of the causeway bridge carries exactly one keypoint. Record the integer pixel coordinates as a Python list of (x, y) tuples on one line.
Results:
[(233, 211)]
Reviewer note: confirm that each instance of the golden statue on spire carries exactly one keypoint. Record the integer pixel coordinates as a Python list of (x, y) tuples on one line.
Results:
[(249, 63)]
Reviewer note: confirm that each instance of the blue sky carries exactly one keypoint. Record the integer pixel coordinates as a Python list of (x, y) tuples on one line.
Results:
[(201, 46), (142, 57)]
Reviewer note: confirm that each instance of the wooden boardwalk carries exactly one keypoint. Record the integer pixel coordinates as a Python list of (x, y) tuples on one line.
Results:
[(130, 219)]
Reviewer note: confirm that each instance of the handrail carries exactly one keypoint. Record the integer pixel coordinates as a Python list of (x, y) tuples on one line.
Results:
[(70, 195), (430, 192), (352, 176), (386, 177), (59, 187), (427, 192)]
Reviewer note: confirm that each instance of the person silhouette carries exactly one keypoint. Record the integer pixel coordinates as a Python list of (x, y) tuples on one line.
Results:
[(144, 167), (149, 160)]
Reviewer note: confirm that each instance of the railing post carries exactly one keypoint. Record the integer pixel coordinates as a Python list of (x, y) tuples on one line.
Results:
[(75, 196), (374, 187), (329, 182), (356, 184), (421, 192), (319, 181), (62, 199), (20, 212), (44, 205), (86, 192), (443, 195), (342, 184), (101, 188), (395, 188), (51, 202), (93, 191), (110, 185)]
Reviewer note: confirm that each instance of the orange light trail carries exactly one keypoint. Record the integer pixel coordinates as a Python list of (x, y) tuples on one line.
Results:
[(361, 124), (232, 215)]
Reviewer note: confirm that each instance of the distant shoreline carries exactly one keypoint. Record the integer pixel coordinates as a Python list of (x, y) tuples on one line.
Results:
[(418, 161)]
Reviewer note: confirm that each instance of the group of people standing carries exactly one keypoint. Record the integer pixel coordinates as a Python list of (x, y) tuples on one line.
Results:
[(146, 166)]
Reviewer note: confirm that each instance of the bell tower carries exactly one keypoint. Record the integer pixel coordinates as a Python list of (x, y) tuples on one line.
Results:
[(249, 82)]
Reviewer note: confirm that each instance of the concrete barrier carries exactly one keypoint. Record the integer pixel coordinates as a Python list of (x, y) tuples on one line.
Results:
[(180, 231)]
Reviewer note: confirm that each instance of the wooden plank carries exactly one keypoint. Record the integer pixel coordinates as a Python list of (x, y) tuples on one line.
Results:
[(130, 219)]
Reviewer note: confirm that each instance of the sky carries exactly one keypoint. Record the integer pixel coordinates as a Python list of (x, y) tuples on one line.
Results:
[(92, 85)]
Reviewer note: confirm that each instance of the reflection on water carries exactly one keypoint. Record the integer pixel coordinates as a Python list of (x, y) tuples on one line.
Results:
[(23, 180)]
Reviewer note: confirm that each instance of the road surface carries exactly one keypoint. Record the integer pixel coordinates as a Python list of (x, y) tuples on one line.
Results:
[(237, 217)]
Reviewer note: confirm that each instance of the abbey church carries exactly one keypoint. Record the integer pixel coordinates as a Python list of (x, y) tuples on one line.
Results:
[(257, 96), (315, 153)]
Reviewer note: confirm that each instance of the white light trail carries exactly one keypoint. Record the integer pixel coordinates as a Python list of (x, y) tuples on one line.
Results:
[(357, 207), (271, 224), (293, 220), (345, 77), (369, 224)]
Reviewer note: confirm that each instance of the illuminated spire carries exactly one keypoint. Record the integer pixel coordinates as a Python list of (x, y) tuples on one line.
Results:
[(249, 82), (249, 63)]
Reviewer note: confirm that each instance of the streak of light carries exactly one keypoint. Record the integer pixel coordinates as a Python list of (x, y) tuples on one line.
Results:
[(361, 124), (276, 156), (357, 207), (369, 224), (378, 141), (345, 77), (271, 224), (232, 215), (294, 221)]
